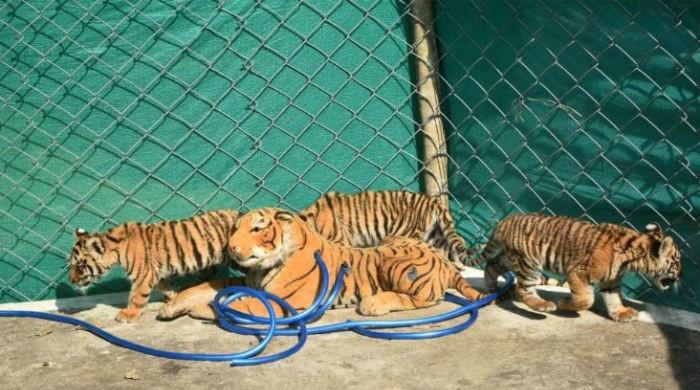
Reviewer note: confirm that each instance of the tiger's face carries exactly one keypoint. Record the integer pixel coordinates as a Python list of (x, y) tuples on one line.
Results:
[(667, 264), (259, 239), (87, 263)]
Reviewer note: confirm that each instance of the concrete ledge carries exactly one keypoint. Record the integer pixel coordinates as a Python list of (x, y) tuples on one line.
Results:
[(650, 313)]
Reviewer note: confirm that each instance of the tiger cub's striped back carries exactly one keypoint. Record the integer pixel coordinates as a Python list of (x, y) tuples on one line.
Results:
[(586, 253), (150, 253), (364, 219)]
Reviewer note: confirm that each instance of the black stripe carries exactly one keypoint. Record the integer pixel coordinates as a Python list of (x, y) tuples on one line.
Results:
[(195, 250), (113, 239), (178, 246), (384, 212), (428, 275), (145, 239), (375, 220), (313, 268)]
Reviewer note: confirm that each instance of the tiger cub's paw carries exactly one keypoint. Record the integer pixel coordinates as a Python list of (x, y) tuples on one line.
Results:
[(128, 315), (169, 296), (624, 314), (542, 305), (169, 311), (372, 306)]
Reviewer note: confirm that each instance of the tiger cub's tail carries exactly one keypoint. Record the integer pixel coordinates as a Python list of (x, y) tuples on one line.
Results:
[(464, 288), (443, 235)]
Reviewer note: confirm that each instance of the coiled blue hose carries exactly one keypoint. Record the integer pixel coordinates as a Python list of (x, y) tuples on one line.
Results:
[(233, 321)]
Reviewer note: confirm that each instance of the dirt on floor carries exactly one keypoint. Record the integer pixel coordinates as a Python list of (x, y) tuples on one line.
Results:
[(508, 346)]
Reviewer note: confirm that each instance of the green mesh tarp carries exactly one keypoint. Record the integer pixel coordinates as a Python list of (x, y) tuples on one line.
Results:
[(151, 110), (588, 109)]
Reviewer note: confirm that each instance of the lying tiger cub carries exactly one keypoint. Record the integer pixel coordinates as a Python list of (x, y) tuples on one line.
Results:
[(278, 249)]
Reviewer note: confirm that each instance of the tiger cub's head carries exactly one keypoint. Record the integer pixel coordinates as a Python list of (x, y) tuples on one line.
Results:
[(666, 258), (87, 261), (263, 238)]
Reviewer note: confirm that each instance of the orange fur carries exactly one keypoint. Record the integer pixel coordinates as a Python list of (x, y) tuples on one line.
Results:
[(364, 219), (278, 249), (586, 253), (150, 253)]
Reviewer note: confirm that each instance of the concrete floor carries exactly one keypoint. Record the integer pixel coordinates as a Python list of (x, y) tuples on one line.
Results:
[(508, 346)]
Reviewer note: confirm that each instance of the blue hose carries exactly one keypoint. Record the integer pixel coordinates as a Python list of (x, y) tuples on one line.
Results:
[(233, 321)]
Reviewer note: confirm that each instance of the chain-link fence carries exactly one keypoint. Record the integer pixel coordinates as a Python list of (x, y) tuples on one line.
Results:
[(149, 110), (583, 108)]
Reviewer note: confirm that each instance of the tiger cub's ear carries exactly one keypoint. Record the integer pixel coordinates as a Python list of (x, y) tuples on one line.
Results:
[(652, 228), (80, 233), (654, 231), (285, 216), (666, 244)]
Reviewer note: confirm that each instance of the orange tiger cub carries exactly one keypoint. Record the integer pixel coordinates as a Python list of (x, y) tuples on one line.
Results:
[(278, 248), (586, 253), (150, 253), (364, 219)]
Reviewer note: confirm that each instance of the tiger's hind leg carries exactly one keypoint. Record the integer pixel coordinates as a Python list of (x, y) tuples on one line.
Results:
[(412, 283), (582, 297), (388, 301), (497, 263), (527, 294), (528, 278), (495, 268)]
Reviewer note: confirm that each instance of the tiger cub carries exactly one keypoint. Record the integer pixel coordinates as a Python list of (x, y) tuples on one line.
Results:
[(150, 253), (586, 253), (278, 248), (364, 219)]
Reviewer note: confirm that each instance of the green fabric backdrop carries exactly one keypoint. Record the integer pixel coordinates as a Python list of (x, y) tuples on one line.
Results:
[(623, 146), (154, 110), (113, 112)]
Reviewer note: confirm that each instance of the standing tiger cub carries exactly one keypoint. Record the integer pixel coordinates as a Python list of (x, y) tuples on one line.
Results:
[(364, 219), (278, 249), (586, 253), (150, 253)]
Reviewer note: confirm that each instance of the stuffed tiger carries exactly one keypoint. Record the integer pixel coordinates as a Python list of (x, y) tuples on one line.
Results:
[(586, 253), (150, 253), (364, 219), (278, 248)]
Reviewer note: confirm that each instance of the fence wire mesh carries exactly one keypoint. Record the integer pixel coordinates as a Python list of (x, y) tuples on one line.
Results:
[(583, 108), (151, 110)]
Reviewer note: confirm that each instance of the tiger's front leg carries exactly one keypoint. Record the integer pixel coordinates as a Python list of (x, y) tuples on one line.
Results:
[(255, 307), (195, 300), (138, 298), (388, 301), (613, 302), (582, 297), (166, 287)]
